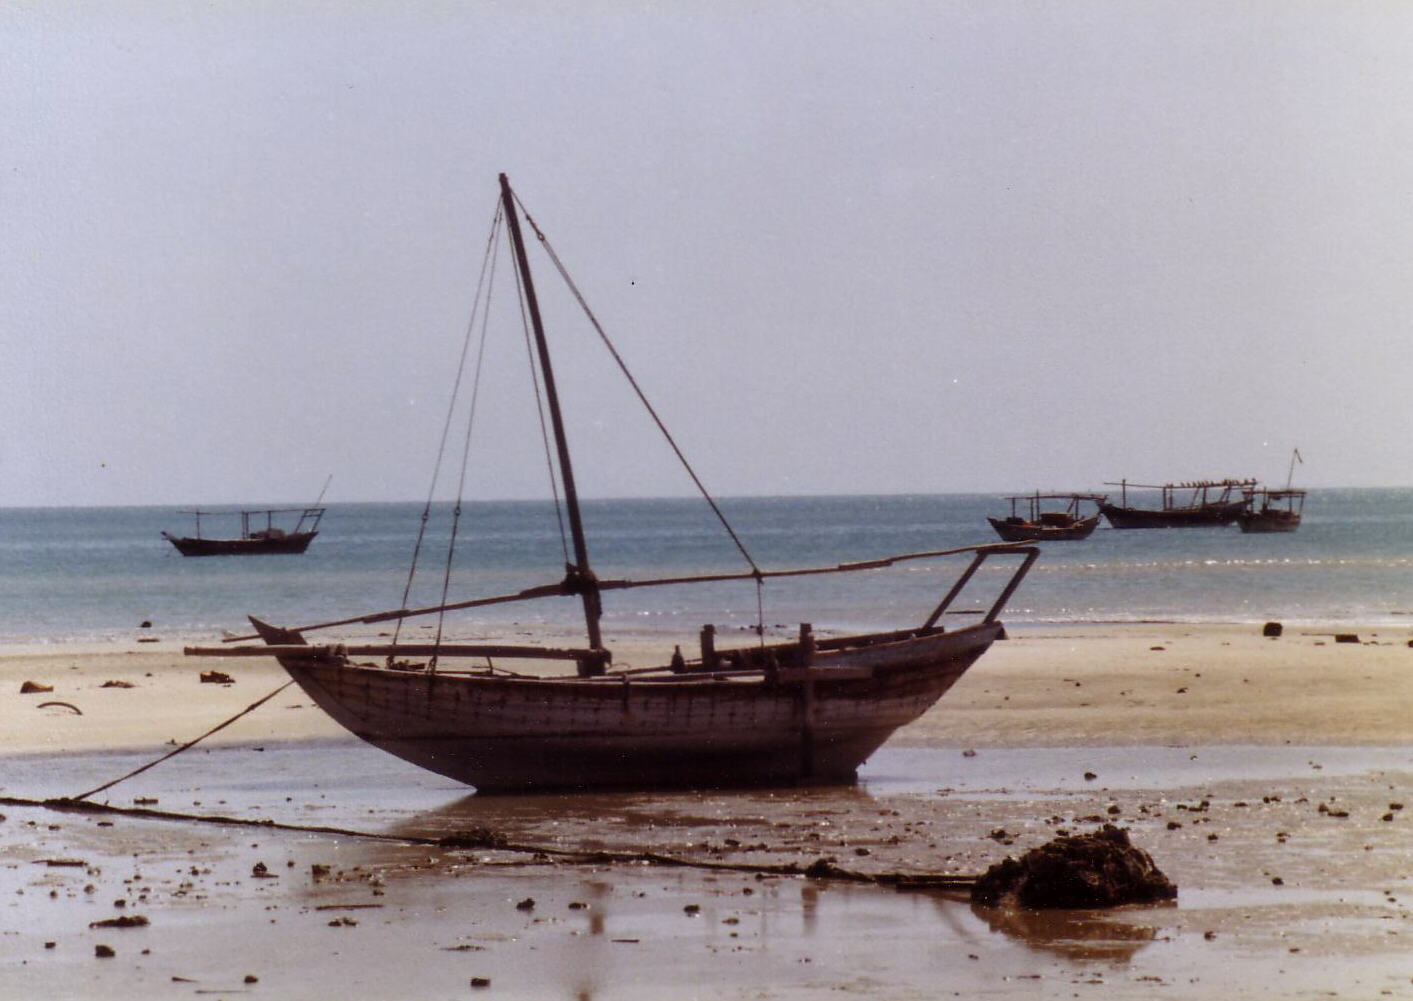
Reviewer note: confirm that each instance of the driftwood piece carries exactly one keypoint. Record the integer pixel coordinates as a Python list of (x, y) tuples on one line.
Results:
[(216, 678), (1101, 869), (34, 687)]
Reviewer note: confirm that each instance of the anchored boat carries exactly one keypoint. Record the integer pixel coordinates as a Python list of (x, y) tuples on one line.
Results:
[(1196, 504), (1048, 523), (1274, 510), (807, 709), (252, 541)]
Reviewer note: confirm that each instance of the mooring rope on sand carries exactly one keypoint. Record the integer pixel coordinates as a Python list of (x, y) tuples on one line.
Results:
[(185, 747), (486, 839)]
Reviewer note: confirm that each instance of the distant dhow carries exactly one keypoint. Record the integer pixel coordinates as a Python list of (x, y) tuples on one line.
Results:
[(252, 541), (1198, 503)]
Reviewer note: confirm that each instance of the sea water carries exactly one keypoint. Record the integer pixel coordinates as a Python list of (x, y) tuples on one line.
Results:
[(84, 574)]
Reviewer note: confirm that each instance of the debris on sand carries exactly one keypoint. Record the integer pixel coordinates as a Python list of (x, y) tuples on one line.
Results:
[(1101, 869), (126, 921), (33, 687), (216, 678), (1272, 629)]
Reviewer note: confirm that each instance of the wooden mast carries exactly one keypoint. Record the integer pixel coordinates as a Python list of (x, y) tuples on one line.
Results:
[(579, 579)]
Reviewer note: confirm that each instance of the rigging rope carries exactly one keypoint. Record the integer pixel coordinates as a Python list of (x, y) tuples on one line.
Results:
[(486, 839), (466, 446), (642, 397), (446, 427)]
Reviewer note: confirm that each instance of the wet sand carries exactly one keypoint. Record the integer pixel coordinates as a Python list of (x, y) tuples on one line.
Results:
[(1266, 777)]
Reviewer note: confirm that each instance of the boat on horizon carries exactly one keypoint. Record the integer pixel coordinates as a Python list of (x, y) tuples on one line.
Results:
[(1053, 525), (1268, 510), (1194, 504), (809, 709), (1272, 511), (268, 540)]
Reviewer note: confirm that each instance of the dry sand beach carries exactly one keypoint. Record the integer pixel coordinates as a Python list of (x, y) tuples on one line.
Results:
[(1266, 777)]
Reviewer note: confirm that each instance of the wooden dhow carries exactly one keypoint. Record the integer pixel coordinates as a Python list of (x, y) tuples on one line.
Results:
[(1048, 523), (1272, 511), (1268, 510), (1195, 504), (257, 541), (810, 709)]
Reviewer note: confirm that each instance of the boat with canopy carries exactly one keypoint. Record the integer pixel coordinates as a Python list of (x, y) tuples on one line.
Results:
[(1046, 519), (1270, 510), (1195, 504), (252, 541)]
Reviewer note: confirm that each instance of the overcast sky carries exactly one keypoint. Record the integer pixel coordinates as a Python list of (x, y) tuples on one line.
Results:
[(846, 248)]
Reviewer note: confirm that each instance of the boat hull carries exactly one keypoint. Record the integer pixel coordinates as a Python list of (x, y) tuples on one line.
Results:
[(1029, 531), (503, 734), (1202, 516), (1278, 521), (292, 543)]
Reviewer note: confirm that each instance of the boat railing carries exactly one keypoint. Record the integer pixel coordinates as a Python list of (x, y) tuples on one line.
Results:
[(1187, 485), (980, 554), (1199, 488), (310, 514), (1072, 502)]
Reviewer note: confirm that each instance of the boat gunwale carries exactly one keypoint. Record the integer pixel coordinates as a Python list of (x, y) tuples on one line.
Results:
[(879, 643)]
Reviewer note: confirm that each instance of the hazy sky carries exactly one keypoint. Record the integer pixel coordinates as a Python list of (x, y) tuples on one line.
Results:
[(847, 248)]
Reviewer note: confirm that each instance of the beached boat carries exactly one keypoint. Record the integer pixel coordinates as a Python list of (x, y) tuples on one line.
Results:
[(1206, 503), (252, 541), (807, 709), (1052, 525)]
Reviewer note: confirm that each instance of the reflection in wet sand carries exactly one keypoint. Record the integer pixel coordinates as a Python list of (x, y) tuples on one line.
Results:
[(424, 919), (1082, 936)]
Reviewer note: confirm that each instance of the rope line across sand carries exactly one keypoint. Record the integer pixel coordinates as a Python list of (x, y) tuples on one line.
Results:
[(485, 839)]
